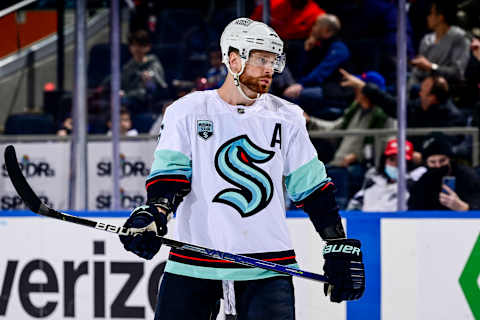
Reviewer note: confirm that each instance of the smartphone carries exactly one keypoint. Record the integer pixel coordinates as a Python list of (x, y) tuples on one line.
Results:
[(449, 181)]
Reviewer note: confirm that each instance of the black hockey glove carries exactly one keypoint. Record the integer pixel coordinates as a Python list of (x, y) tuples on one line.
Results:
[(344, 269), (150, 223)]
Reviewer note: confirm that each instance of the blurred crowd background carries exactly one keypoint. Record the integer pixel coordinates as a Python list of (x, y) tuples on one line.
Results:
[(341, 69)]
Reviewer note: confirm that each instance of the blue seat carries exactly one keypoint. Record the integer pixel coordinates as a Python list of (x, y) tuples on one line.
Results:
[(340, 177), (97, 125), (477, 169), (30, 123), (143, 122)]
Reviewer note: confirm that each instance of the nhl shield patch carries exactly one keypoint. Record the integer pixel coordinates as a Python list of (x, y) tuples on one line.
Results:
[(204, 128)]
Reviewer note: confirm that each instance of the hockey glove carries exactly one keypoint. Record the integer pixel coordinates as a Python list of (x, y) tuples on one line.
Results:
[(344, 269), (149, 222)]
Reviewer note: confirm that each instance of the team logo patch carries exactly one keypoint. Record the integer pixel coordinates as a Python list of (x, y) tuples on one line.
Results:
[(236, 162), (204, 128)]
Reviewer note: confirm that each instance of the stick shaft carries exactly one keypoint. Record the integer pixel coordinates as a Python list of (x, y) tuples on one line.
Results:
[(239, 259)]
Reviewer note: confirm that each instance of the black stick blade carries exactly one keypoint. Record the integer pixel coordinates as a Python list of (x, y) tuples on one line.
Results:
[(19, 181)]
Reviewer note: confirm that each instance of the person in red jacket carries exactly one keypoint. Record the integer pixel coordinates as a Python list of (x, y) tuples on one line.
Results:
[(292, 19)]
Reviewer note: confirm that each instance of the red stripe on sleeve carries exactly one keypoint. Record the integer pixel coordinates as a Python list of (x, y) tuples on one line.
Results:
[(326, 185)]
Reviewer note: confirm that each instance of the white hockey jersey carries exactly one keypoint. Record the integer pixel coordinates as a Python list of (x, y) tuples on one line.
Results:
[(237, 159)]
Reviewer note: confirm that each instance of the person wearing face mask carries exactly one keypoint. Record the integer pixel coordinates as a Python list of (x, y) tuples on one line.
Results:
[(431, 193), (379, 190)]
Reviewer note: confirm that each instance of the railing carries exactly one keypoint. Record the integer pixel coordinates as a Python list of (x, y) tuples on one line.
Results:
[(377, 134)]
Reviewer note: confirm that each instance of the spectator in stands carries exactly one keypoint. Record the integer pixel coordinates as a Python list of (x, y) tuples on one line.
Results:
[(324, 54), (445, 51), (143, 77), (379, 190), (362, 114), (473, 79), (355, 152), (217, 72), (430, 191), (417, 13), (292, 19), (125, 124), (472, 76), (369, 29), (434, 108), (66, 127)]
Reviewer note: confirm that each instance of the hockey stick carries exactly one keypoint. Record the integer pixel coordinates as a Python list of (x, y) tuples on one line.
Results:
[(33, 202)]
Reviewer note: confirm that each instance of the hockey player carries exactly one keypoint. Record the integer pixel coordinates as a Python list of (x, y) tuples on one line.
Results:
[(220, 164)]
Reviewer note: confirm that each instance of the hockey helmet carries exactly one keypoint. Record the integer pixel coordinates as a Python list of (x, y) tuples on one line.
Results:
[(246, 35)]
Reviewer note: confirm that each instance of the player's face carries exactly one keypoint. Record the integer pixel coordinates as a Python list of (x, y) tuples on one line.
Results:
[(258, 71)]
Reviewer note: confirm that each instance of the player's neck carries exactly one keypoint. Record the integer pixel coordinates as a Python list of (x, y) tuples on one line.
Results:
[(229, 93)]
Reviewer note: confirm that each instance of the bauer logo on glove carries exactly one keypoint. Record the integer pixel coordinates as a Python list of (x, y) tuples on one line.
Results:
[(341, 248), (344, 269)]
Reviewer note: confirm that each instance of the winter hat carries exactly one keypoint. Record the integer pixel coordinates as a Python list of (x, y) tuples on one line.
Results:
[(436, 143)]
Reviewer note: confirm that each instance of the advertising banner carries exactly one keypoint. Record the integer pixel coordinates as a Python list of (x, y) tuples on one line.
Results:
[(135, 160), (430, 269), (57, 270), (46, 167)]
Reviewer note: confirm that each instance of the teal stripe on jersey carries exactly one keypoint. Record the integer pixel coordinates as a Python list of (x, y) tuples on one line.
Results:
[(170, 162), (237, 274), (306, 179)]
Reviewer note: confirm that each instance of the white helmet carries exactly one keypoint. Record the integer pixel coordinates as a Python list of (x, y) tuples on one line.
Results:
[(245, 35)]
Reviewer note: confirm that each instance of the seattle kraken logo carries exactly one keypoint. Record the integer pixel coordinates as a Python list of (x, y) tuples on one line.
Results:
[(234, 162)]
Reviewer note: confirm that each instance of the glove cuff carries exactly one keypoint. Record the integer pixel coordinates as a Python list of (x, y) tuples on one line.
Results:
[(162, 203), (333, 232)]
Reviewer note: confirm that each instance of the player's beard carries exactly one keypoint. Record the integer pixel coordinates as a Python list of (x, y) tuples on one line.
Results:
[(254, 84)]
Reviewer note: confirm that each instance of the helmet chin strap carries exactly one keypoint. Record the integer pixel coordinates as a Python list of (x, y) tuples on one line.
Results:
[(236, 82)]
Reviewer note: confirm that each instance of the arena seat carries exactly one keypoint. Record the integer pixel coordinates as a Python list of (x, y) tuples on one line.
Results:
[(29, 123)]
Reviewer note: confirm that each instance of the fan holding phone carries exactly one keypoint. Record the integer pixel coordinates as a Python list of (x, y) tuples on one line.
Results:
[(446, 185)]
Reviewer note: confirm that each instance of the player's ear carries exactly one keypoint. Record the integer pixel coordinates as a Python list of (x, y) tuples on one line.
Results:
[(235, 62)]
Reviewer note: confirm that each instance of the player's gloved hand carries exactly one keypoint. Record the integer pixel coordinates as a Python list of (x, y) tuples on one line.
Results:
[(149, 222), (344, 269)]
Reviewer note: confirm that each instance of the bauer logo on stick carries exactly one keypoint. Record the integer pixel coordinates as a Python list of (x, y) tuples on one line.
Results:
[(205, 128)]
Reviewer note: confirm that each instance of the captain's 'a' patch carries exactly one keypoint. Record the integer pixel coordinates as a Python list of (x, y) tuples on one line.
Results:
[(204, 128)]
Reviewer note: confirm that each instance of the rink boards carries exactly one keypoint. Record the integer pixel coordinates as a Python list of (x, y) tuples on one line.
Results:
[(55, 270)]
